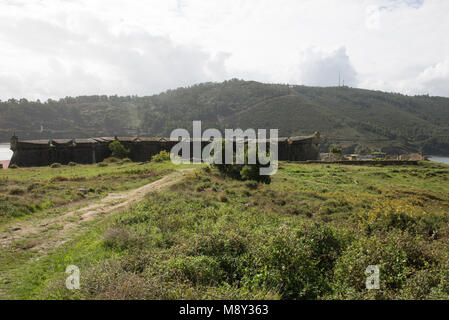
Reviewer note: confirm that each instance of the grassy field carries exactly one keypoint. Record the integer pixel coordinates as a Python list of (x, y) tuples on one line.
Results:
[(30, 191), (310, 234)]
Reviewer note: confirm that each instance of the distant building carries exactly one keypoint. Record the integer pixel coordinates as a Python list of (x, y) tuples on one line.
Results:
[(44, 152), (412, 157), (379, 155), (353, 157)]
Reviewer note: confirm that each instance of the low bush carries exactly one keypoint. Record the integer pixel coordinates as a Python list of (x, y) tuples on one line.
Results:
[(405, 215), (244, 171), (117, 238), (118, 150), (200, 270), (111, 160), (58, 179), (16, 191), (296, 262), (349, 274), (251, 184), (161, 156)]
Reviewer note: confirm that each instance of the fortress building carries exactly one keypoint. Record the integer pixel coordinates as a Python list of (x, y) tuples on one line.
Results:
[(84, 151)]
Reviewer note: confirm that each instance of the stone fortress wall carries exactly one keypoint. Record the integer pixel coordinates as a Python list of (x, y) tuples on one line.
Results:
[(84, 151)]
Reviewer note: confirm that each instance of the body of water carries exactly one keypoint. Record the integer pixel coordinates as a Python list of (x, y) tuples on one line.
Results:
[(5, 152), (440, 159)]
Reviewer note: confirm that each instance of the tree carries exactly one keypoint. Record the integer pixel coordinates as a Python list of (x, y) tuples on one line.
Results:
[(335, 150), (118, 150), (244, 171)]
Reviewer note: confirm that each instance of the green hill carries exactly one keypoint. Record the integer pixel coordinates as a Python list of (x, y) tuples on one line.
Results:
[(354, 119)]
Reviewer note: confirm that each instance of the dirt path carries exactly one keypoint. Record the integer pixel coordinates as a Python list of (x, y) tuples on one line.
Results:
[(51, 232)]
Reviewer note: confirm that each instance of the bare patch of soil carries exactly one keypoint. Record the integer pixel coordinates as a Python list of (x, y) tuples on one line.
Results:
[(51, 232)]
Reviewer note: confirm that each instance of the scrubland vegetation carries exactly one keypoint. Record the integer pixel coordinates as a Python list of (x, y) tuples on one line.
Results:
[(28, 191), (309, 234)]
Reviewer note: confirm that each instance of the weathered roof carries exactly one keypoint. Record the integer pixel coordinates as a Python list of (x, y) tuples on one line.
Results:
[(103, 139), (62, 141), (88, 140), (35, 141), (300, 138), (128, 139), (151, 139), (148, 139)]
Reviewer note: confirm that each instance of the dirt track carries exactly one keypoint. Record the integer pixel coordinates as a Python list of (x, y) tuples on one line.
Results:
[(51, 232)]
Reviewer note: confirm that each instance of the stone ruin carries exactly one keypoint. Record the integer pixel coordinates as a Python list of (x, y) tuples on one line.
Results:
[(30, 153)]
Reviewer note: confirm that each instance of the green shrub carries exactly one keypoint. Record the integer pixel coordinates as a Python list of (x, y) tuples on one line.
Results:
[(58, 179), (335, 205), (227, 247), (251, 172), (203, 186), (102, 164), (285, 265), (118, 150), (161, 156), (441, 290), (244, 171), (13, 166), (252, 185), (117, 238), (349, 273), (335, 150), (421, 284), (405, 215), (55, 165), (111, 160), (33, 186), (202, 270), (72, 164), (16, 191), (206, 170), (109, 280)]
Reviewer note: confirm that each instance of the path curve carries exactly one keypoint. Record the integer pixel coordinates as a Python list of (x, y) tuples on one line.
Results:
[(70, 221)]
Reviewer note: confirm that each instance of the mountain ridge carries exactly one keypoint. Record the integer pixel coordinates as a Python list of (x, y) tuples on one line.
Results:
[(357, 120)]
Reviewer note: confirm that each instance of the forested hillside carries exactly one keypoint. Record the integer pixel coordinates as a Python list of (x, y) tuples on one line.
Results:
[(355, 119)]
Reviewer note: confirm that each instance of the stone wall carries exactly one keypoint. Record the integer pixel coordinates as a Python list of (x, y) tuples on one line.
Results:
[(369, 162), (92, 150)]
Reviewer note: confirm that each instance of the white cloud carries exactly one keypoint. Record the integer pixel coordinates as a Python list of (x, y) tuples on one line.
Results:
[(435, 79), (54, 48), (318, 68)]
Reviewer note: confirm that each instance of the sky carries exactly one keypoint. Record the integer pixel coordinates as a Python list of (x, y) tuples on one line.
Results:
[(59, 48)]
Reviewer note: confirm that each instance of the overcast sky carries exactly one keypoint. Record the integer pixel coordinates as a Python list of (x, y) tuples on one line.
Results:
[(56, 48)]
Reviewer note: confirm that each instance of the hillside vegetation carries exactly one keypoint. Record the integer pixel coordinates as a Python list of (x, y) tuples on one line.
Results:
[(310, 234), (354, 119)]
